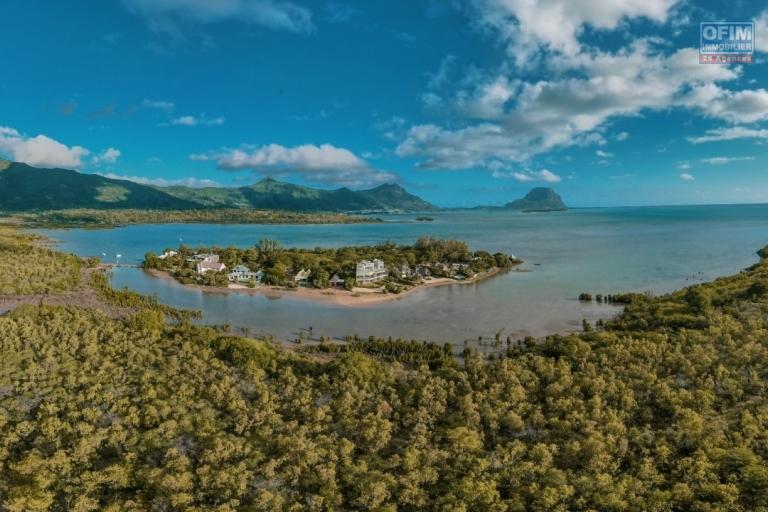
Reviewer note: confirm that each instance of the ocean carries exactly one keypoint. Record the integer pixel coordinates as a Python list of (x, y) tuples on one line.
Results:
[(596, 250)]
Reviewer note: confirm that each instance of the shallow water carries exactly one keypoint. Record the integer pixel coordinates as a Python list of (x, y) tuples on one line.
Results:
[(605, 250)]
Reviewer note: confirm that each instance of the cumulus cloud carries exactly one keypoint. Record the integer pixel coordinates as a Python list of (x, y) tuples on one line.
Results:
[(161, 182), (40, 150), (730, 133), (746, 106), (603, 154), (722, 160), (528, 26), (687, 177), (108, 156), (543, 175), (488, 100), (201, 120), (320, 164), (170, 16), (524, 119)]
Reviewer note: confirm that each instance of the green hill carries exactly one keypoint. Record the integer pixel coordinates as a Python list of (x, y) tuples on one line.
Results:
[(277, 195), (27, 188), (394, 196)]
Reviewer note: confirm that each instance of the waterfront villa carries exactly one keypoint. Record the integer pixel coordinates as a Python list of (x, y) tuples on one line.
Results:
[(336, 281), (241, 273), (207, 263), (302, 276), (370, 271), (405, 271), (210, 266), (167, 254)]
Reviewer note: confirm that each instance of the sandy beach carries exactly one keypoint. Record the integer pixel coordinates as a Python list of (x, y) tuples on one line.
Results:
[(354, 297)]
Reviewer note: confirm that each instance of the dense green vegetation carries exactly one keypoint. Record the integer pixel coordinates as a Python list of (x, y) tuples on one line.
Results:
[(664, 409), (280, 265), (89, 218), (420, 352), (27, 268), (27, 188)]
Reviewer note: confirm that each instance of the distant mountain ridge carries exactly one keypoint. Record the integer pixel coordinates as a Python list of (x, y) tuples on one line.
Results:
[(25, 188), (277, 195)]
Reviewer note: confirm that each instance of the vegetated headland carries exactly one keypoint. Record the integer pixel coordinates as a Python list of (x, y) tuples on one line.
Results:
[(346, 275), (92, 218)]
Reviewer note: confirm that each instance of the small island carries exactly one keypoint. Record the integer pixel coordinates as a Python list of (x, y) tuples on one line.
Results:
[(539, 199), (346, 275), (425, 218)]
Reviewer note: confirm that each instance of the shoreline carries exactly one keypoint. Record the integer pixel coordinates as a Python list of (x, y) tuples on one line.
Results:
[(356, 297)]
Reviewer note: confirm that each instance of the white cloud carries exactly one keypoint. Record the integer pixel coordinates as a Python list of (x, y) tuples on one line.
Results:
[(158, 104), (687, 177), (321, 164), (621, 136), (197, 121), (561, 112), (731, 133), (683, 166), (528, 176), (442, 76), (108, 156), (746, 106), (761, 32), (170, 15), (40, 151), (603, 154), (161, 182), (548, 176), (488, 100), (722, 160), (528, 26)]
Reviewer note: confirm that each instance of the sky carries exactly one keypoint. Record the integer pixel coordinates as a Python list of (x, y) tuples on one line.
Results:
[(461, 102)]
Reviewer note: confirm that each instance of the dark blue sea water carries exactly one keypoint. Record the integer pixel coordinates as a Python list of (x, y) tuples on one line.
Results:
[(604, 250)]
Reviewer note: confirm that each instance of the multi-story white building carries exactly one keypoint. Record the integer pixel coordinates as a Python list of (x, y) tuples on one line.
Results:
[(370, 271)]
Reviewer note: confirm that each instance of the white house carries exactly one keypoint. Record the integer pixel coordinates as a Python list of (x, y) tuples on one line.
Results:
[(210, 266), (302, 276), (370, 271), (167, 254), (241, 273), (207, 263)]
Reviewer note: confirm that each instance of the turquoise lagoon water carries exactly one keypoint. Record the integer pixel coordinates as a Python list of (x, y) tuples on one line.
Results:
[(597, 250)]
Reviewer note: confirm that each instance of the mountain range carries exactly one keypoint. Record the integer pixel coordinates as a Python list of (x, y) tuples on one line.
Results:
[(27, 188)]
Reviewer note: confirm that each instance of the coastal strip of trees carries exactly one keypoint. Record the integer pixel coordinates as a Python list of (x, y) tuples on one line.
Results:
[(91, 218)]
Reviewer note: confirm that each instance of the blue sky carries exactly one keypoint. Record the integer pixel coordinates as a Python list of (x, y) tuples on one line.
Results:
[(463, 103)]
